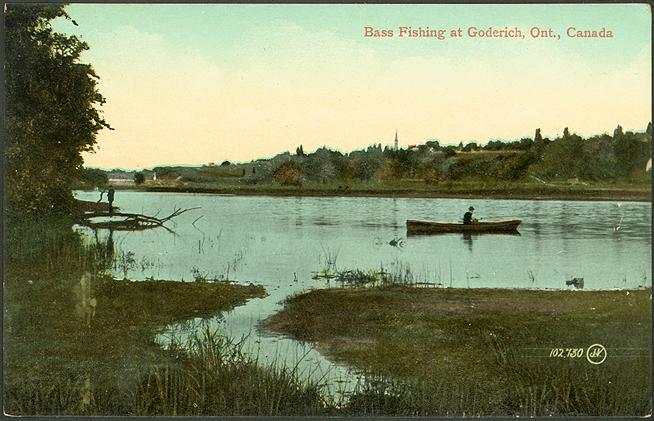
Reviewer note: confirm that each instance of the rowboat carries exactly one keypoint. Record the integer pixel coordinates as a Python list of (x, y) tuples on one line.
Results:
[(426, 227)]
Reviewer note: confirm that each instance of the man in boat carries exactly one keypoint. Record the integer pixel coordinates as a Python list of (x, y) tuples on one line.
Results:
[(110, 197), (467, 217)]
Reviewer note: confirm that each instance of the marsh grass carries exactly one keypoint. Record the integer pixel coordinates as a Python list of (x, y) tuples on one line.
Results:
[(541, 387), (77, 341), (456, 352), (213, 375), (208, 375), (397, 273)]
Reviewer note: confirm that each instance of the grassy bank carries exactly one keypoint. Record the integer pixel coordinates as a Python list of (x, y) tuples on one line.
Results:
[(482, 351), (494, 190), (99, 327), (78, 342)]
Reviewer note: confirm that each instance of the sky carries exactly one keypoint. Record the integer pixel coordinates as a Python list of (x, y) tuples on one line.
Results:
[(199, 83)]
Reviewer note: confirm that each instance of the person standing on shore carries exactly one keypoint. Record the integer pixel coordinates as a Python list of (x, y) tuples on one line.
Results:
[(467, 217), (110, 197)]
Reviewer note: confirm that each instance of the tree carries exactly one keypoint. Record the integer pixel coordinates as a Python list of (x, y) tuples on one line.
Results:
[(566, 158), (472, 146), (51, 116), (618, 132), (631, 154), (288, 173), (92, 177), (139, 178), (538, 137)]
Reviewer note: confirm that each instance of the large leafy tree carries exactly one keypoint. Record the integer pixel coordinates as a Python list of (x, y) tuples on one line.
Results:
[(52, 115)]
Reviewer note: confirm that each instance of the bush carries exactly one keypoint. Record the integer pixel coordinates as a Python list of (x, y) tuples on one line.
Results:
[(139, 178)]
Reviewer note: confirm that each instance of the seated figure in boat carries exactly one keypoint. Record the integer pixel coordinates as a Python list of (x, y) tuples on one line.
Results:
[(467, 217)]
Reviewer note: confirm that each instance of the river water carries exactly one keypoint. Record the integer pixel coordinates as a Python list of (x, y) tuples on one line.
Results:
[(281, 242)]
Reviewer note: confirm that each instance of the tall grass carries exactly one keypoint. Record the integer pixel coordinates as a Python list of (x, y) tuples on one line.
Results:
[(208, 375), (211, 374), (542, 387), (383, 395)]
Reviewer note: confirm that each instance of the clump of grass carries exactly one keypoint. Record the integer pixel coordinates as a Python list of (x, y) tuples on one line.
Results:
[(208, 375), (213, 375), (76, 341), (360, 278), (383, 395), (399, 274), (327, 258), (205, 277), (125, 262)]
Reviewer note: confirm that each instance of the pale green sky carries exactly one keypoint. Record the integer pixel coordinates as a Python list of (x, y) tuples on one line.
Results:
[(190, 84)]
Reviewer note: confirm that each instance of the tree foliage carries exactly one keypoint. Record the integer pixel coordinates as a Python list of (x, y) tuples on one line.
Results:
[(288, 173), (139, 178), (52, 115), (91, 177)]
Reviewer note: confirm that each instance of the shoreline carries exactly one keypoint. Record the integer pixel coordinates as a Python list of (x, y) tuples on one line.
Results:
[(458, 193)]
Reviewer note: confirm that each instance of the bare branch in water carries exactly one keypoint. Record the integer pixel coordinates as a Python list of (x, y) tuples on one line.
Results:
[(129, 221)]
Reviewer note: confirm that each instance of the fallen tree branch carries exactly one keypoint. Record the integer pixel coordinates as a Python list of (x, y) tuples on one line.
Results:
[(128, 221)]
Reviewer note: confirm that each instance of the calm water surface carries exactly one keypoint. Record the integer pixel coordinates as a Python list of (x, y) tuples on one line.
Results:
[(280, 241)]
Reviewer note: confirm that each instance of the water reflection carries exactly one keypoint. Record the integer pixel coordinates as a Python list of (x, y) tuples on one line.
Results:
[(467, 238)]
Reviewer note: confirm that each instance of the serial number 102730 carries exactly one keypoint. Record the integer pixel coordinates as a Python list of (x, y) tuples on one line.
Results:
[(567, 352)]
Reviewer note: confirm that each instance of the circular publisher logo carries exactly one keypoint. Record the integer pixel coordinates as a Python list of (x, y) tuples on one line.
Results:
[(596, 354)]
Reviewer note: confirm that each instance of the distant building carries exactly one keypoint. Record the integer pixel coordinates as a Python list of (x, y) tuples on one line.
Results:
[(121, 182), (397, 147)]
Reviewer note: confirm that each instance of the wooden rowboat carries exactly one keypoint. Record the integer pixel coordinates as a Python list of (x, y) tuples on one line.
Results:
[(425, 227)]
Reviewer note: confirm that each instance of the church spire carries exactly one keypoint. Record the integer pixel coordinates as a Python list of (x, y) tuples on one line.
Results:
[(396, 142)]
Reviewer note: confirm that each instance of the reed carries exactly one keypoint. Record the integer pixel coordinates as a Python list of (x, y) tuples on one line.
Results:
[(208, 375)]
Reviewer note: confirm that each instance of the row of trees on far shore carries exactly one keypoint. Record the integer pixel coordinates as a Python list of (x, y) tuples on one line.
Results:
[(53, 116), (621, 156)]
